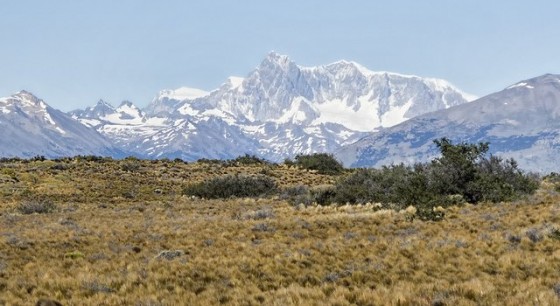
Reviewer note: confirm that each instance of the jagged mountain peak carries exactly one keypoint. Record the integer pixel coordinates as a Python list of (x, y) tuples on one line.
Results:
[(278, 110), (27, 94), (127, 104), (275, 57), (276, 63), (25, 97), (24, 102), (99, 110), (103, 107), (128, 110), (103, 103)]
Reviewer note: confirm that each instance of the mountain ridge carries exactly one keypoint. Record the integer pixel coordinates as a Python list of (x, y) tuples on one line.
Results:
[(31, 127), (278, 110), (520, 121)]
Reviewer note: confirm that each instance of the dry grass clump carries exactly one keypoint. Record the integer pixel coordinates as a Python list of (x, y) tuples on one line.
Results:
[(162, 248)]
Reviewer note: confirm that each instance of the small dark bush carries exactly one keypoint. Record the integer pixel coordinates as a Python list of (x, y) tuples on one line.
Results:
[(36, 207), (262, 214), (534, 235), (247, 160), (322, 195), (556, 289), (92, 158), (554, 233), (97, 287), (210, 161), (322, 162), (296, 195), (130, 165), (59, 166), (38, 158), (288, 162), (170, 254), (263, 227), (233, 186)]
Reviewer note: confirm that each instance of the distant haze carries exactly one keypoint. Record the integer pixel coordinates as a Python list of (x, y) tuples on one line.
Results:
[(73, 53)]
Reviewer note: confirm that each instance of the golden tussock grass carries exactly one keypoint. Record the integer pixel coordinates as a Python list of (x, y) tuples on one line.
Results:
[(130, 238)]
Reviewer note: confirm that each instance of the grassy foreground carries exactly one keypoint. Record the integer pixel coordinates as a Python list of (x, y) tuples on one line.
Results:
[(122, 233)]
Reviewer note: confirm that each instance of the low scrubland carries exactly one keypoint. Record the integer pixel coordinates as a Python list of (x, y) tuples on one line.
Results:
[(97, 231)]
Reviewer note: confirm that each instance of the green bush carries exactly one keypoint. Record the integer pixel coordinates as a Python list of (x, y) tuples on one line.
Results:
[(398, 184), (322, 162), (233, 186), (210, 161), (322, 195), (247, 160), (462, 174), (244, 160)]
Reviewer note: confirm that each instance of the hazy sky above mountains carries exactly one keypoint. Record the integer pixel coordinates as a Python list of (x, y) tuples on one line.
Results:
[(72, 53)]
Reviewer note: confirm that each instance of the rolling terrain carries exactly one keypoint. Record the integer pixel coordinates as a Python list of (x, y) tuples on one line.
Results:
[(91, 231)]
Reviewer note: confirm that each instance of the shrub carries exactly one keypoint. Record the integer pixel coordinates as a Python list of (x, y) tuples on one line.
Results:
[(322, 162), (92, 158), (263, 227), (38, 158), (130, 165), (179, 160), (233, 186), (247, 160), (397, 184), (36, 207), (500, 180), (322, 195), (288, 162), (296, 195), (462, 174), (455, 170), (94, 287), (260, 214), (170, 254), (210, 161)]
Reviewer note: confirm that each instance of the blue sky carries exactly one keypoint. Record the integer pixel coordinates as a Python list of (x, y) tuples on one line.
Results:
[(72, 53)]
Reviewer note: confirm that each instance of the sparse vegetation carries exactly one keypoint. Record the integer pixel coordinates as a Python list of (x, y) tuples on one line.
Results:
[(162, 246)]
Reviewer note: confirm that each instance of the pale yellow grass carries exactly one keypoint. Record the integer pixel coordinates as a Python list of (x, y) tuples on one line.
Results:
[(265, 251)]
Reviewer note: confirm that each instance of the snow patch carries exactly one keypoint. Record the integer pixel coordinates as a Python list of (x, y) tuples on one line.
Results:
[(295, 114), (187, 109), (235, 82), (521, 84), (337, 111), (443, 86), (183, 93), (395, 115)]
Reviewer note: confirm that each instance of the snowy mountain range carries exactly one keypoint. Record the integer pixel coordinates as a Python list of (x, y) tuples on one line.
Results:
[(521, 121), (278, 110), (30, 127), (281, 109)]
